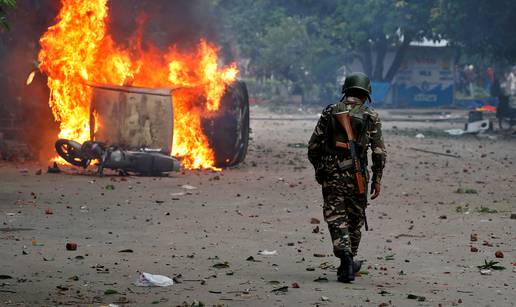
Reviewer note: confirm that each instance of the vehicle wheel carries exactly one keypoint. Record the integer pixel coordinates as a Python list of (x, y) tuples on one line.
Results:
[(228, 130), (71, 152)]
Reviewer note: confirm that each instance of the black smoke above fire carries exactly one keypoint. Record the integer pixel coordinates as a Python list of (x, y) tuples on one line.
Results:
[(165, 22)]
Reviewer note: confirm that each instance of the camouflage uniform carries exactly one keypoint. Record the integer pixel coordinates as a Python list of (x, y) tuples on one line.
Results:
[(343, 209)]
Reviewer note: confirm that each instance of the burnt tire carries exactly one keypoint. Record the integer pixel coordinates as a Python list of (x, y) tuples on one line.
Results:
[(71, 152), (228, 129)]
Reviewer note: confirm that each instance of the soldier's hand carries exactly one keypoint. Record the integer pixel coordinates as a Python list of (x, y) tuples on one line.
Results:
[(375, 190)]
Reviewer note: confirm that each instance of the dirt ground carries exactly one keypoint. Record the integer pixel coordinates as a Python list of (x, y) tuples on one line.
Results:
[(206, 228)]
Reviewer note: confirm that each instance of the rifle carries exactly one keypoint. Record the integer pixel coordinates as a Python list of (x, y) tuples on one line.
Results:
[(344, 121)]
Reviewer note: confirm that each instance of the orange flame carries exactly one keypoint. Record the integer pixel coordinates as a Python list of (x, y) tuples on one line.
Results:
[(78, 49)]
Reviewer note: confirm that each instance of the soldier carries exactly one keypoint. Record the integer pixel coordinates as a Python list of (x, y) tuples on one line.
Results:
[(344, 209)]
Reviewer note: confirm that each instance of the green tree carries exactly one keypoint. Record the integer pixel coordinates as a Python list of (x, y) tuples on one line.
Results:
[(246, 21), (283, 39), (4, 6), (371, 28), (284, 49), (477, 27), (307, 41)]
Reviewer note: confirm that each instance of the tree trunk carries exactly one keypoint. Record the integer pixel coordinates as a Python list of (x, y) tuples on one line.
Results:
[(366, 59), (398, 58), (381, 50)]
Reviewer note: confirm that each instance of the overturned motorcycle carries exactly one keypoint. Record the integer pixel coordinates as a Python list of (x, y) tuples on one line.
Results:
[(145, 162)]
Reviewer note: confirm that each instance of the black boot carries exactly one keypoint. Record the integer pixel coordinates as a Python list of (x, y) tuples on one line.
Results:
[(357, 265), (346, 271)]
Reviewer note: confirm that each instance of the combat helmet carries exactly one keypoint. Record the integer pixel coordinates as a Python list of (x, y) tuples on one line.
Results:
[(357, 80)]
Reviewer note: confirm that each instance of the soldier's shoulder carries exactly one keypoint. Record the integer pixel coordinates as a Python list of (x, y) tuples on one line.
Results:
[(328, 110), (329, 107), (375, 116)]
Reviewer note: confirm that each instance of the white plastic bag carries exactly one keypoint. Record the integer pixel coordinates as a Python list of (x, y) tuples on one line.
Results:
[(150, 280), (455, 131), (188, 187), (268, 253)]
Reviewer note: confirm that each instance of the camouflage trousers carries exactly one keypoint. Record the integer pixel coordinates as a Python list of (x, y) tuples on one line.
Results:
[(343, 211)]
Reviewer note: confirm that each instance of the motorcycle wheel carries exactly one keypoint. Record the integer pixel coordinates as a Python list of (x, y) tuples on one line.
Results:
[(71, 152)]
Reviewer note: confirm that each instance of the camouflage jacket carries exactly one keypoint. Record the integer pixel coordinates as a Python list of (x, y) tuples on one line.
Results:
[(367, 129)]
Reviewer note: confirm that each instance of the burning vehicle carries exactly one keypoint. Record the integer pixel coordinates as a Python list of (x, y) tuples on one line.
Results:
[(137, 96)]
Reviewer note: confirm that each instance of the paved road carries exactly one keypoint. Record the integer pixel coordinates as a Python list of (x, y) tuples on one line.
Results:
[(419, 243)]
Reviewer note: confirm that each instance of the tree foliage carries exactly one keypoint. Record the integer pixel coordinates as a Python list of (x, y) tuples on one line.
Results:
[(279, 43), (309, 40), (4, 6), (478, 27), (371, 28)]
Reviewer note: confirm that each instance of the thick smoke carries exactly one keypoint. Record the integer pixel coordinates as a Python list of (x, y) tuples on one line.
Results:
[(179, 22), (24, 113)]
